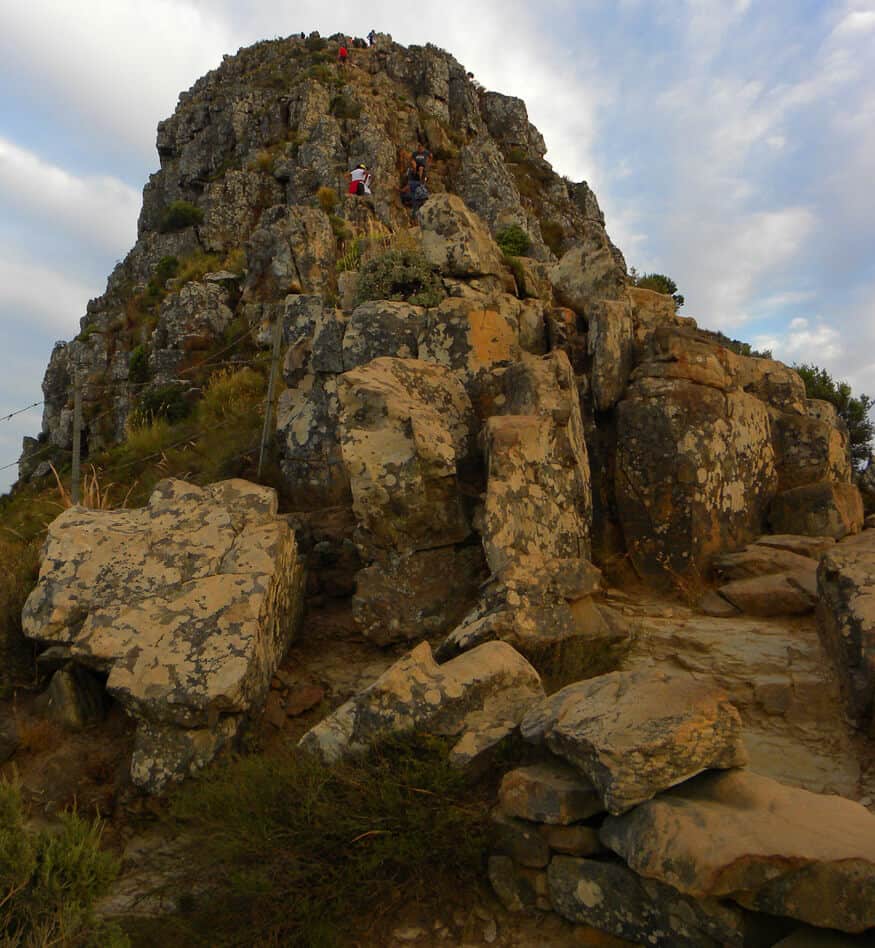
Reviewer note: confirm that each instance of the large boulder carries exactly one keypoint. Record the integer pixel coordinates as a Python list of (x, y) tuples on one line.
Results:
[(381, 328), (538, 495), (611, 898), (405, 430), (846, 621), (824, 509), (589, 271), (455, 240), (769, 847), (478, 698), (291, 251), (635, 734), (187, 605), (809, 448), (610, 342), (405, 596), (694, 474), (790, 593)]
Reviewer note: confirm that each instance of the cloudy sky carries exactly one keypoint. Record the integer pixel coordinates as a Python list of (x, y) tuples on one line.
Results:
[(731, 144)]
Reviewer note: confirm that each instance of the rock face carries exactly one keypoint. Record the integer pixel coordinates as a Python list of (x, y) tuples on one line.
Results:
[(823, 509), (772, 848), (846, 620), (187, 605), (479, 697), (635, 734), (611, 898)]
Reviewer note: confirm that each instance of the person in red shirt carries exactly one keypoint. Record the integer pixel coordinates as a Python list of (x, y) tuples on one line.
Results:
[(343, 55)]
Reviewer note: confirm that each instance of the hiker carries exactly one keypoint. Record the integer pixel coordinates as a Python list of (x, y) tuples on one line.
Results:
[(359, 180), (342, 55), (414, 193), (372, 38), (421, 159)]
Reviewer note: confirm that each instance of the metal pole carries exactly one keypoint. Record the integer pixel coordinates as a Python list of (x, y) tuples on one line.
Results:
[(271, 385), (77, 439)]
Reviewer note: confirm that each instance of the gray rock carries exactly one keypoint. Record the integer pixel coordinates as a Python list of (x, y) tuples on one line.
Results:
[(518, 888), (548, 793), (611, 898), (519, 840), (633, 734), (76, 698), (383, 328)]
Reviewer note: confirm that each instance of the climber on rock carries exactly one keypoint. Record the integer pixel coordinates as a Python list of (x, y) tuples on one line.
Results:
[(359, 180), (372, 38), (414, 193), (422, 159)]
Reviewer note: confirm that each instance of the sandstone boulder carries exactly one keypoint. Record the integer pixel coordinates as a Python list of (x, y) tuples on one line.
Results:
[(609, 897), (610, 342), (479, 698), (549, 792), (760, 559), (291, 251), (407, 596), (382, 328), (808, 449), (799, 544), (823, 509), (455, 240), (634, 734), (790, 593), (588, 272), (846, 620), (405, 430), (694, 474), (187, 605), (772, 848)]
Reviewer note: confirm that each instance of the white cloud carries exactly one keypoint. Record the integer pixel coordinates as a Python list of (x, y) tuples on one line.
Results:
[(32, 292), (856, 22), (99, 209)]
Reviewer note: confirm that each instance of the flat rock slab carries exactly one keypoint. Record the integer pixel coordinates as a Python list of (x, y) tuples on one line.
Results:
[(610, 897), (797, 543), (187, 604), (479, 697), (634, 734), (548, 793), (760, 560), (772, 848), (779, 594)]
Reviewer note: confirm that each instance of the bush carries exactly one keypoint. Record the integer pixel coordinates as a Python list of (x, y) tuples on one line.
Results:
[(855, 410), (659, 283), (554, 236), (314, 43), (327, 198), (167, 402), (345, 107), (138, 366), (513, 241), (195, 267), (50, 880), (399, 275), (289, 850), (178, 215), (232, 396)]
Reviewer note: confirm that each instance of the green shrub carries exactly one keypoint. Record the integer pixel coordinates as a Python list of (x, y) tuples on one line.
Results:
[(168, 402), (400, 275), (178, 215), (554, 236), (232, 396), (138, 366), (855, 410), (513, 241), (327, 198), (50, 880), (339, 227), (194, 267), (315, 43), (345, 107), (659, 283), (288, 850)]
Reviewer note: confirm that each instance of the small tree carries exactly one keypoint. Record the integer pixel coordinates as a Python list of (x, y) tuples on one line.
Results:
[(659, 283), (855, 410)]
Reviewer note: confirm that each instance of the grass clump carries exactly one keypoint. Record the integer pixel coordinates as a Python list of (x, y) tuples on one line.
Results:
[(168, 402), (554, 236), (327, 198), (50, 880), (232, 397), (293, 851), (178, 215), (400, 275), (513, 241), (138, 365), (195, 267)]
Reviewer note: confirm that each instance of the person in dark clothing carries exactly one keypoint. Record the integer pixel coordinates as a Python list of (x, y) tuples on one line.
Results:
[(372, 37), (422, 159)]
